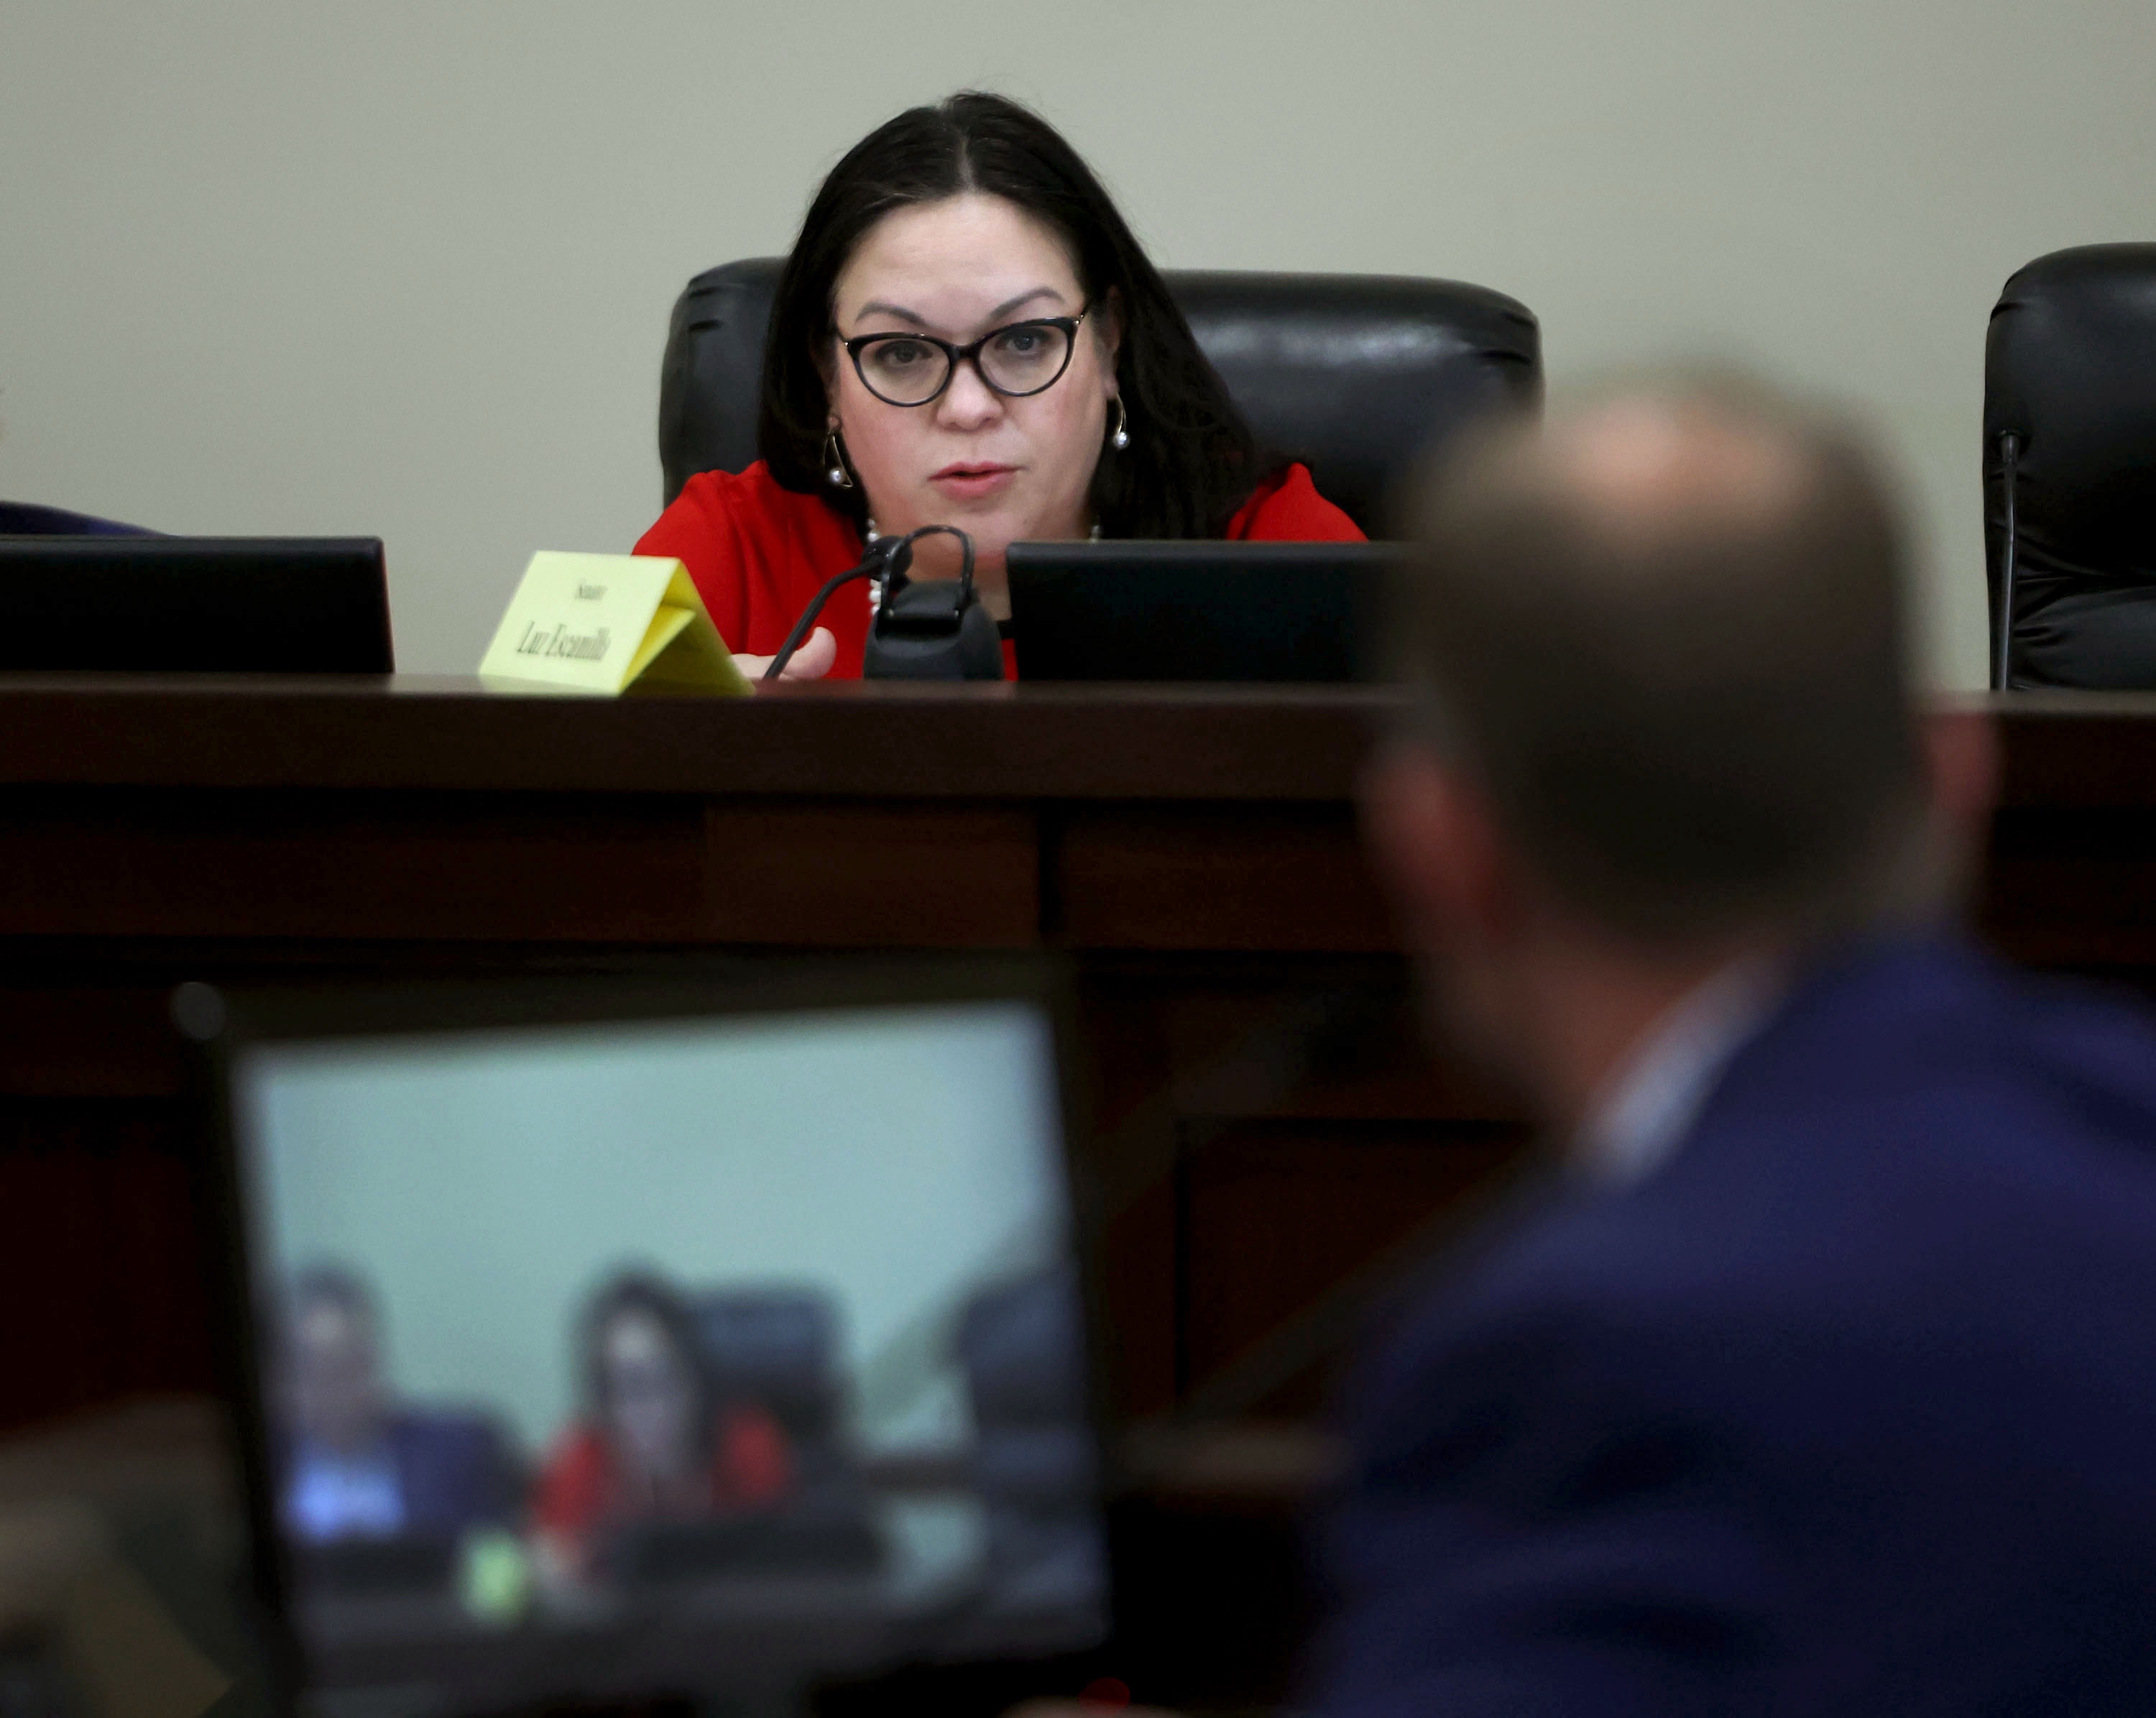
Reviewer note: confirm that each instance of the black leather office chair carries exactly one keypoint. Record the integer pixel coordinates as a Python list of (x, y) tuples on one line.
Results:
[(1352, 374), (776, 1347), (1022, 1345), (2069, 471)]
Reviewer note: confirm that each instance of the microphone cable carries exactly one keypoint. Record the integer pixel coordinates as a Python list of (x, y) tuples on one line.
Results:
[(887, 559), (881, 554)]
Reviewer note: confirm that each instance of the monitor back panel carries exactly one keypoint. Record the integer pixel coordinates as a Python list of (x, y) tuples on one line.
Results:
[(194, 605), (1195, 609)]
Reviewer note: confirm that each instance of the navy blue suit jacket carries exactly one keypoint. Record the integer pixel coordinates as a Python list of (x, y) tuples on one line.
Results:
[(452, 1471), (1850, 1407)]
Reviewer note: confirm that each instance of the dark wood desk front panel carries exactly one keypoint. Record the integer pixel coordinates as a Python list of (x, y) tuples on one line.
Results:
[(1265, 1109)]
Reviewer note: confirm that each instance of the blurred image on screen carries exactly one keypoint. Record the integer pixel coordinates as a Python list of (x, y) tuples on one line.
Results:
[(721, 1352)]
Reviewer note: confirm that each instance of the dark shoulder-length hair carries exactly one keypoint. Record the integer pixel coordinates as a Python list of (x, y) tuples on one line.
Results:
[(644, 1295), (1191, 461)]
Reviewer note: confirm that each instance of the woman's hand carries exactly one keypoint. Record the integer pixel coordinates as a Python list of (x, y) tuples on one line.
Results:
[(811, 662)]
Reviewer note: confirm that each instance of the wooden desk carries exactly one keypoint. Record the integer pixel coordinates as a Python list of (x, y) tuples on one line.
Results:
[(1260, 1093)]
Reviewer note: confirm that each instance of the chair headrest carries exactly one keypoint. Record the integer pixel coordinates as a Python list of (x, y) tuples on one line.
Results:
[(1023, 1346), (776, 1345), (1352, 374), (1356, 374), (2070, 369)]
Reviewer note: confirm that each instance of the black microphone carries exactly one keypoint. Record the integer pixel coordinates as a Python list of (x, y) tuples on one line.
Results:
[(2002, 673), (932, 629)]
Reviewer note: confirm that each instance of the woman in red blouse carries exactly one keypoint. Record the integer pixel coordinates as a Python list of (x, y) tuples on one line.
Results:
[(654, 1446), (967, 333)]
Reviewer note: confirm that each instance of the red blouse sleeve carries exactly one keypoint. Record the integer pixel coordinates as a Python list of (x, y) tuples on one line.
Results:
[(758, 554), (572, 1492), (700, 530), (1289, 509), (754, 1465)]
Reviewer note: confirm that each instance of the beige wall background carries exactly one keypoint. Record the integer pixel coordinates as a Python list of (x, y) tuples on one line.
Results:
[(404, 267)]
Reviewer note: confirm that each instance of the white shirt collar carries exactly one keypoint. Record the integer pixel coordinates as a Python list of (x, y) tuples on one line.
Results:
[(1646, 1107)]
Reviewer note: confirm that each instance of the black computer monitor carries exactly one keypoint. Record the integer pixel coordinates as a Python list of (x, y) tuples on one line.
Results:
[(195, 604), (604, 1342), (1194, 609)]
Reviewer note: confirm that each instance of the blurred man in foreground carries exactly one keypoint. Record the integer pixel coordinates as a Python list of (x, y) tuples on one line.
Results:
[(1826, 1383)]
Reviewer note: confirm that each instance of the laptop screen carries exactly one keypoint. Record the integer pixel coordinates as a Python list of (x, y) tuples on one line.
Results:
[(195, 604), (719, 1353)]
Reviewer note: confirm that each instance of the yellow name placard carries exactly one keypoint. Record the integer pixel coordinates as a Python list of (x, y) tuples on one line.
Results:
[(599, 623)]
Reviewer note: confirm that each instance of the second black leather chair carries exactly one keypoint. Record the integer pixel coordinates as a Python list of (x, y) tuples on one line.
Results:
[(2069, 471)]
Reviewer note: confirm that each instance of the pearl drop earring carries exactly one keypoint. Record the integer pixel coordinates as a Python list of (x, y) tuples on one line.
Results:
[(839, 476)]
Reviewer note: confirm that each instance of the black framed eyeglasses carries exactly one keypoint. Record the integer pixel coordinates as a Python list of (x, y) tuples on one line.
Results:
[(1015, 360)]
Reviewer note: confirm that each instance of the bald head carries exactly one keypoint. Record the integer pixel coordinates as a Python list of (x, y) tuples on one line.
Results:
[(1666, 634), (1649, 465)]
